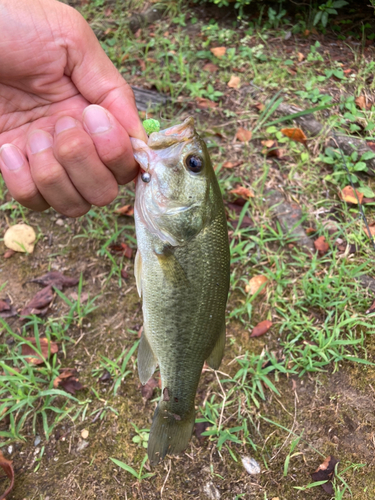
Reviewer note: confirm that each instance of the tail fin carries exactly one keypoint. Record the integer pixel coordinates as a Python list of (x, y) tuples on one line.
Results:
[(169, 433)]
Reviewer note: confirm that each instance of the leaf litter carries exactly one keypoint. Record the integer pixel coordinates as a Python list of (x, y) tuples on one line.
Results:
[(33, 356)]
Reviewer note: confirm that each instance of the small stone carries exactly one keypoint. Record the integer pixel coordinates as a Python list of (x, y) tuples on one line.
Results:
[(59, 222), (37, 441), (85, 434), (251, 465), (10, 449)]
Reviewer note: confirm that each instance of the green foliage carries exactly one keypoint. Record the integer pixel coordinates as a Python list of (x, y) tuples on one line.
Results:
[(327, 9)]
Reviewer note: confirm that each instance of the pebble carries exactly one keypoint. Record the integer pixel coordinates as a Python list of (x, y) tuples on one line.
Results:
[(251, 465), (10, 449), (37, 441), (59, 222), (85, 434)]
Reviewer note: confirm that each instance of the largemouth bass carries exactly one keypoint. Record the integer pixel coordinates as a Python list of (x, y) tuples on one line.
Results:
[(182, 274)]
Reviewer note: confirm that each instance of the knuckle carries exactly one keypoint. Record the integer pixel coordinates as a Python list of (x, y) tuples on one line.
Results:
[(74, 150), (48, 176), (102, 198), (113, 156)]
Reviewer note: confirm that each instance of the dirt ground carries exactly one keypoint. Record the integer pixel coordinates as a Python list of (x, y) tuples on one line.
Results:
[(335, 410)]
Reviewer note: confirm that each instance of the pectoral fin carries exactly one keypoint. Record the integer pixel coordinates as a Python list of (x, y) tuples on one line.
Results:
[(172, 269), (147, 361), (214, 359), (138, 272)]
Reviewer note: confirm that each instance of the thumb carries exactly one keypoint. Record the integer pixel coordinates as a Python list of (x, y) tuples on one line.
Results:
[(99, 81)]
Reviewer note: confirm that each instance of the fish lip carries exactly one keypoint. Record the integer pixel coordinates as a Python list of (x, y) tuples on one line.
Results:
[(178, 210)]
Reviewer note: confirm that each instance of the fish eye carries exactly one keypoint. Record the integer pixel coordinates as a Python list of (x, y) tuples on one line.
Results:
[(194, 163)]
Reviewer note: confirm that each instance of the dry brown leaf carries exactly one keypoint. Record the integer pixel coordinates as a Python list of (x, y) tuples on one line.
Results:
[(20, 238), (372, 229), (269, 144), (9, 253), (232, 164), (349, 195), (300, 56), (296, 134), (234, 82), (321, 245), (203, 103), (38, 305), (64, 373), (121, 249), (259, 106), (127, 210), (210, 67), (261, 328), (7, 310), (7, 467), (243, 134), (255, 283), (361, 102), (55, 279), (325, 472), (45, 346), (242, 192), (147, 390), (371, 309), (142, 64), (219, 51)]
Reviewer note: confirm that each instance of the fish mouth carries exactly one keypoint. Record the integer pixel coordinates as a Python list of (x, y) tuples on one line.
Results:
[(179, 210)]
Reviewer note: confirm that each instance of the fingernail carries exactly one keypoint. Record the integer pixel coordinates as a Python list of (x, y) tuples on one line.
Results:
[(96, 119), (11, 156), (64, 123), (39, 141)]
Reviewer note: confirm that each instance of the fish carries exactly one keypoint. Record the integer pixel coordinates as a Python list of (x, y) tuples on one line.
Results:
[(182, 275)]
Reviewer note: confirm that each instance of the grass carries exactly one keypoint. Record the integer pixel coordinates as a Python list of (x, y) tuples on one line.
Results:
[(315, 303)]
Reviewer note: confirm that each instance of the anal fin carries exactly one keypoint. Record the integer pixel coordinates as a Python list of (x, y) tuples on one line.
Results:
[(214, 359), (147, 361)]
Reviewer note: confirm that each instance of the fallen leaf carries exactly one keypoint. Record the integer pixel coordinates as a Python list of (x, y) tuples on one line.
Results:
[(210, 67), (261, 328), (105, 376), (234, 82), (124, 274), (242, 192), (310, 230), (371, 145), (9, 253), (255, 283), (219, 51), (361, 102), (203, 103), (243, 135), (232, 164), (127, 210), (300, 56), (20, 238), (82, 298), (121, 249), (199, 428), (142, 64), (64, 374), (55, 279), (367, 200), (38, 305), (147, 390), (349, 195), (296, 134), (259, 106), (269, 144), (321, 245), (371, 309), (138, 33), (371, 228), (7, 467), (7, 310), (325, 472), (34, 356)]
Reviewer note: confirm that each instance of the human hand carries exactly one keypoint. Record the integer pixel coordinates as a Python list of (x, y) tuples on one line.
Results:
[(66, 113)]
